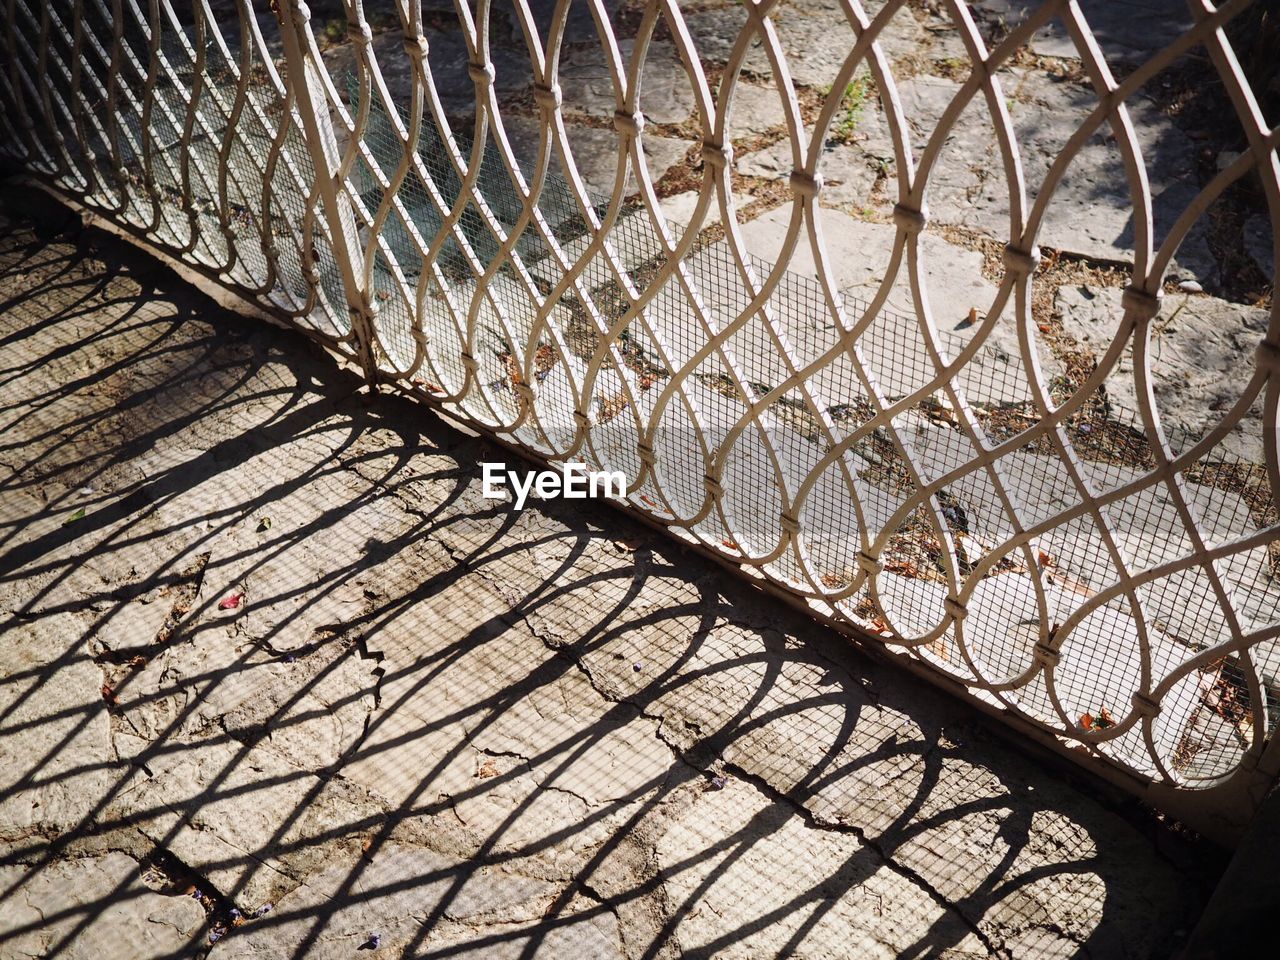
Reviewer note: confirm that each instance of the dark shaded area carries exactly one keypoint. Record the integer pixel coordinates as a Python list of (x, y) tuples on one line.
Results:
[(213, 362)]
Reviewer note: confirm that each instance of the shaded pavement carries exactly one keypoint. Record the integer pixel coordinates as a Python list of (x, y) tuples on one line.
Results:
[(277, 681)]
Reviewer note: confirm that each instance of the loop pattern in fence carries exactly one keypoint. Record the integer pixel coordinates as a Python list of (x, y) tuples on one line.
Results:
[(900, 305)]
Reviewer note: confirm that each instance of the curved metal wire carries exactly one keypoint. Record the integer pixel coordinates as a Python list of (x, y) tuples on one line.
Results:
[(1122, 599)]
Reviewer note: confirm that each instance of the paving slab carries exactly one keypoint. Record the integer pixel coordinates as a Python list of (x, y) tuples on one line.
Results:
[(1197, 341), (580, 23), (848, 174), (815, 37), (54, 915), (54, 775), (586, 77), (755, 108), (595, 154), (1090, 213), (679, 211), (859, 255), (447, 57), (1127, 32), (402, 709)]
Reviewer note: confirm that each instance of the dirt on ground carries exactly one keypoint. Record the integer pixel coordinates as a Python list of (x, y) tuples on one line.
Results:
[(277, 680)]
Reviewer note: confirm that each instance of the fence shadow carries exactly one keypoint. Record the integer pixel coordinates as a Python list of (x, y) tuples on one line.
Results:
[(264, 640)]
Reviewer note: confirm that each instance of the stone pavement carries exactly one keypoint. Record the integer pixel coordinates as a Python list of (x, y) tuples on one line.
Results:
[(276, 681), (1046, 91)]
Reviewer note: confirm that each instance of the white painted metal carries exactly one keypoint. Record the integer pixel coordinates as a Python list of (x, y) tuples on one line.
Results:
[(760, 416)]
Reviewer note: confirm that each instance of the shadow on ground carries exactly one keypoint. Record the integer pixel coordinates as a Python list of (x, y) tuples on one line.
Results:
[(275, 680)]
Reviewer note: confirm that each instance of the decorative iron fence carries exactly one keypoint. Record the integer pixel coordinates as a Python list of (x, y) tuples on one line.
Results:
[(408, 185)]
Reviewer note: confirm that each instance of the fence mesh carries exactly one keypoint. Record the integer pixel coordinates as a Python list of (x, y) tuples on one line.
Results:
[(983, 504)]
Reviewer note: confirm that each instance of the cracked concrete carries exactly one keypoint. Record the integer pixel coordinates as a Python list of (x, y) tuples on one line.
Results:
[(428, 717)]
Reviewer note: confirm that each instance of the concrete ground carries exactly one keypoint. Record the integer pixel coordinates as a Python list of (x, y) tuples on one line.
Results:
[(276, 681)]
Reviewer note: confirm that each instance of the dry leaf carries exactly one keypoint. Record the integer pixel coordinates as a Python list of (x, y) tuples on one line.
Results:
[(488, 769), (1086, 720), (513, 370), (1071, 585)]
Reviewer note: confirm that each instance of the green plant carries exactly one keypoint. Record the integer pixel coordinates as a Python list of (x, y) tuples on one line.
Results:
[(851, 104)]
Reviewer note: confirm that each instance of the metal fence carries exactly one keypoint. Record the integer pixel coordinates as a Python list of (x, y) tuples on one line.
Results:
[(1103, 579)]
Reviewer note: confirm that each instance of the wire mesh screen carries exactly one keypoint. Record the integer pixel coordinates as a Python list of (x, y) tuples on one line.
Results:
[(473, 200)]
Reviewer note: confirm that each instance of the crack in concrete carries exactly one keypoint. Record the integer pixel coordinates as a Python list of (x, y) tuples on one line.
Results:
[(777, 796), (567, 792), (490, 752), (912, 876)]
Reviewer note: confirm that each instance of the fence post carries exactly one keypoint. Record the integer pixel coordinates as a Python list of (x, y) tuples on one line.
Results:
[(303, 76)]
